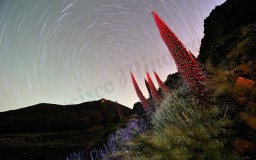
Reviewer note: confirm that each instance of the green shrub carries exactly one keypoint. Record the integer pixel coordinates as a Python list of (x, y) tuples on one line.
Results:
[(185, 128), (246, 30)]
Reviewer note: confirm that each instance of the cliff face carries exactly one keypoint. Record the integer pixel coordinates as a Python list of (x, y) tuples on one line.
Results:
[(228, 53), (230, 31)]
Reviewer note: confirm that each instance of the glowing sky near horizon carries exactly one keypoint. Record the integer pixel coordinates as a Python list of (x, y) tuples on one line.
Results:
[(72, 51)]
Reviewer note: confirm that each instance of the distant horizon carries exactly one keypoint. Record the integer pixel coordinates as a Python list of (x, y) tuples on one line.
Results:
[(65, 104), (65, 53)]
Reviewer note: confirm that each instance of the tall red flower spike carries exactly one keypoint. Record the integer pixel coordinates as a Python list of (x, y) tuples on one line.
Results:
[(161, 84), (192, 56), (139, 93), (147, 85), (187, 66), (152, 88)]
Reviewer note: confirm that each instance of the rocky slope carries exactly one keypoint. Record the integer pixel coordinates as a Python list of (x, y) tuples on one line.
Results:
[(228, 53), (230, 34)]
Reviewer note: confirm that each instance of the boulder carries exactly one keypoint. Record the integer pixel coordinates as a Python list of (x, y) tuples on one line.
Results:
[(244, 83), (244, 147), (249, 119), (243, 70)]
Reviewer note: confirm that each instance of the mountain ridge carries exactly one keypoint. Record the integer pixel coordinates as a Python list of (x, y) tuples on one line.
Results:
[(52, 117)]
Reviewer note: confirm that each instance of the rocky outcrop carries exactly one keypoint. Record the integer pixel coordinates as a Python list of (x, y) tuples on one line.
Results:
[(229, 30), (242, 147), (244, 70), (229, 46), (244, 84), (249, 119)]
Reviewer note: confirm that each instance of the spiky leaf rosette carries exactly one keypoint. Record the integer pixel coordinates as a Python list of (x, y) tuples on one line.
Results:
[(139, 93), (187, 66), (164, 88), (153, 89)]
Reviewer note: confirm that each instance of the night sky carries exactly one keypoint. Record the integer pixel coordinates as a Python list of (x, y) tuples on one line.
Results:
[(72, 51)]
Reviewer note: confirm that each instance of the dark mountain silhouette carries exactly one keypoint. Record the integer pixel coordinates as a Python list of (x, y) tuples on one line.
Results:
[(50, 117)]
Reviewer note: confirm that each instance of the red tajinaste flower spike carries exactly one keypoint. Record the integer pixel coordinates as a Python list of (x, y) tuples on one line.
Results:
[(147, 85), (187, 66), (153, 89), (194, 58), (139, 93), (161, 84)]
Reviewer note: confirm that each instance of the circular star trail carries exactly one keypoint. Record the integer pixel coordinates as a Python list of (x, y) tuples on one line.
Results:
[(72, 51)]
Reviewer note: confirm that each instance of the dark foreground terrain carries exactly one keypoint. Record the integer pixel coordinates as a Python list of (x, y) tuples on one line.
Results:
[(48, 131), (42, 146)]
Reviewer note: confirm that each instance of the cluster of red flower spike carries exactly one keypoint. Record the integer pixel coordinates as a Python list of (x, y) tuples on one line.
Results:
[(187, 65), (151, 89)]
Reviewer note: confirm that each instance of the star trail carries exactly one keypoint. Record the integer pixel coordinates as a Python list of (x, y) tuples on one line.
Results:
[(72, 51)]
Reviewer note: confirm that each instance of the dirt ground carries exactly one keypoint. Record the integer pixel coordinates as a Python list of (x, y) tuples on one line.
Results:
[(45, 146)]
